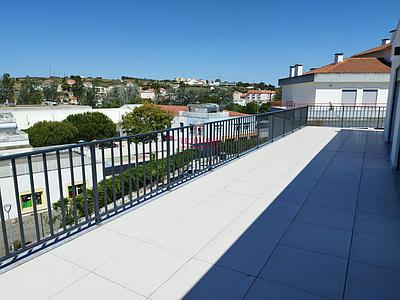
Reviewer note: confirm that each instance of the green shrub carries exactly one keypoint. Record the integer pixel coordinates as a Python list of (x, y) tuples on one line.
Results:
[(92, 126), (48, 133)]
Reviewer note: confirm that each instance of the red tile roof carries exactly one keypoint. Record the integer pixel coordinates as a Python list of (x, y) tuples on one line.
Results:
[(353, 65), (175, 109), (236, 114), (373, 50)]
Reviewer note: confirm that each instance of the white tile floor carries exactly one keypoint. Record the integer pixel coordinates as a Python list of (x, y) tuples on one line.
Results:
[(214, 239)]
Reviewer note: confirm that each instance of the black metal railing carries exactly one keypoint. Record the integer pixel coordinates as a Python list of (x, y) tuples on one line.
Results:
[(347, 116), (50, 194)]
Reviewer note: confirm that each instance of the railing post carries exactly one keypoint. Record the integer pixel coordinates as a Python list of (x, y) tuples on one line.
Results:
[(94, 182), (168, 159), (306, 121), (272, 126), (341, 123), (301, 117), (379, 114), (4, 228), (284, 122), (293, 117), (258, 130), (238, 137), (210, 148)]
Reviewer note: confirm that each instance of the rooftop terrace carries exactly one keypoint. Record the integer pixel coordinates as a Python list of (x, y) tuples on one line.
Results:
[(314, 215)]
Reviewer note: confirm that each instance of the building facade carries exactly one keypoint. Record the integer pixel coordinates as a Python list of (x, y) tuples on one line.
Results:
[(362, 79), (149, 94), (259, 96), (392, 125)]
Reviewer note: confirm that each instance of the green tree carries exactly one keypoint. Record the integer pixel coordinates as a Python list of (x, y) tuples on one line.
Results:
[(235, 107), (120, 95), (264, 107), (6, 89), (251, 108), (77, 88), (146, 118), (92, 126), (50, 91), (89, 97), (278, 94), (113, 99), (64, 85), (48, 133), (29, 94)]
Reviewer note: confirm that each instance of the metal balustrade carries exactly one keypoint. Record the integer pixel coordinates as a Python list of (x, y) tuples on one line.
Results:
[(53, 193), (347, 116)]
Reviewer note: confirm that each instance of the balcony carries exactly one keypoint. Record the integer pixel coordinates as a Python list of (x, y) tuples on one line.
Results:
[(314, 213)]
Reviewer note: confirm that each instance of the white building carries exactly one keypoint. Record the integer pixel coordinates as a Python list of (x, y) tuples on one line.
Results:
[(259, 96), (392, 125), (148, 94), (361, 79), (200, 113)]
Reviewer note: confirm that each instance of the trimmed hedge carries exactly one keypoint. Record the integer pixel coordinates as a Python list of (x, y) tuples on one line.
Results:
[(92, 126), (49, 133)]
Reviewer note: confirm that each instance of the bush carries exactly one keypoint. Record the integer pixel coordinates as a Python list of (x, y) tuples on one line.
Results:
[(92, 126), (48, 133)]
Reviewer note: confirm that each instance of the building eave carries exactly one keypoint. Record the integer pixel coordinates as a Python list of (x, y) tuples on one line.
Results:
[(297, 79)]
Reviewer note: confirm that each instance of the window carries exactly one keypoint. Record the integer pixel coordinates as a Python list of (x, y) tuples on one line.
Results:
[(370, 97), (27, 201), (349, 97), (78, 189)]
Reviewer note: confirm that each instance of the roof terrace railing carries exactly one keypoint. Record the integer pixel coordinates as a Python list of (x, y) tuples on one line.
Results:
[(50, 194), (347, 116)]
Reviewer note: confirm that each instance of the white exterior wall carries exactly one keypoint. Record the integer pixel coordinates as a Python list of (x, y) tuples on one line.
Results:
[(299, 93), (328, 88), (332, 92), (147, 95), (8, 192), (27, 116)]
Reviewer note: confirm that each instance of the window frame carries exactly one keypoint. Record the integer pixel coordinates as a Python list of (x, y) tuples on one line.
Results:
[(370, 90), (349, 90), (39, 207), (78, 183)]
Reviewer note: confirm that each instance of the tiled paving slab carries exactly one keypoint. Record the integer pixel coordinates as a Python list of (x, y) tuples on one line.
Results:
[(315, 215)]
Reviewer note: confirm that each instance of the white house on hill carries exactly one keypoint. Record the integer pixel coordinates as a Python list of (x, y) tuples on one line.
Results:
[(362, 79)]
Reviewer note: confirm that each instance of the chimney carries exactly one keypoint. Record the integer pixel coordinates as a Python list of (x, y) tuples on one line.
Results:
[(298, 70), (338, 58), (291, 71), (392, 34), (385, 41)]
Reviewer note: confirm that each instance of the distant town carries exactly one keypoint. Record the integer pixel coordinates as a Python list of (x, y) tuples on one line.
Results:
[(99, 92)]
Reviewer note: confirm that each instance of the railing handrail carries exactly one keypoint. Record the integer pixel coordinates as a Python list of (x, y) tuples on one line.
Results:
[(355, 116), (120, 138)]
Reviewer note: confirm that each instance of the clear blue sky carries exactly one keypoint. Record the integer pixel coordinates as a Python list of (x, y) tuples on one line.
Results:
[(232, 40)]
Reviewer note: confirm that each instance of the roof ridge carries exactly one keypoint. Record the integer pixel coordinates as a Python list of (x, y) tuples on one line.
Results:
[(372, 50)]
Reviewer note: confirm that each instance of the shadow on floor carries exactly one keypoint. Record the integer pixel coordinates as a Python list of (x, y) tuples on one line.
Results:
[(333, 233)]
